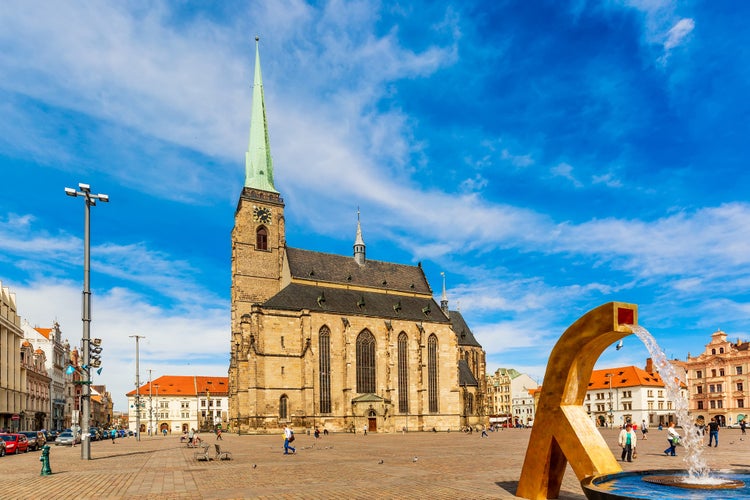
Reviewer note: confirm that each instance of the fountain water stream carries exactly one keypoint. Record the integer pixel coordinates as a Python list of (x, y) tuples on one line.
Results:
[(698, 471)]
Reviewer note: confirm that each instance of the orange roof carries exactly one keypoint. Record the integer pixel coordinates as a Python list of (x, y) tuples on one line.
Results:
[(626, 376), (43, 331), (185, 385)]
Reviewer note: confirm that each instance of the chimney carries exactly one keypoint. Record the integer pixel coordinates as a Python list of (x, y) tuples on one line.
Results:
[(649, 365)]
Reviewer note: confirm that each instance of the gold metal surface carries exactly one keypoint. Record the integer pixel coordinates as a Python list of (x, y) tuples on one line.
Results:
[(562, 431)]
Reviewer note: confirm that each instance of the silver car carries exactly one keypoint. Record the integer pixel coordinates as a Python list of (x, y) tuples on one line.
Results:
[(67, 438)]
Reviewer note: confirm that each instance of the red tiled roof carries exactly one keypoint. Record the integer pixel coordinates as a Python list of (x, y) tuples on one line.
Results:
[(625, 376), (44, 332), (185, 385)]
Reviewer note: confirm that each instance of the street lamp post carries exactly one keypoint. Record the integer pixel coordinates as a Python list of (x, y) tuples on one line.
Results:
[(611, 418), (137, 390), (150, 405), (156, 386), (90, 200)]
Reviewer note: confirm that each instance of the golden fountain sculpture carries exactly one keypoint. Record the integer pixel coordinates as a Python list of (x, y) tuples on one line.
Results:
[(563, 432)]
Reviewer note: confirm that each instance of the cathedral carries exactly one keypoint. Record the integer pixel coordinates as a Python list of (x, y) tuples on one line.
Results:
[(341, 343)]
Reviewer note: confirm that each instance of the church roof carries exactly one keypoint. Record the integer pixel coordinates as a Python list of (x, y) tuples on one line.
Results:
[(339, 269), (465, 377), (297, 296), (463, 332)]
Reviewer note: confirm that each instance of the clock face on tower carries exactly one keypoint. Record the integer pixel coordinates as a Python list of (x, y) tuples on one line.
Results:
[(262, 215)]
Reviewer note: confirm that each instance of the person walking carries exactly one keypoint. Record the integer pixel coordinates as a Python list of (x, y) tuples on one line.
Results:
[(627, 440), (113, 434), (673, 438), (218, 435), (288, 439), (743, 426), (713, 432), (644, 429)]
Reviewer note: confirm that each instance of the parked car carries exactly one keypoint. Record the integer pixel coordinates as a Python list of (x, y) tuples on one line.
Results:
[(15, 443), (36, 439), (67, 438), (2, 448)]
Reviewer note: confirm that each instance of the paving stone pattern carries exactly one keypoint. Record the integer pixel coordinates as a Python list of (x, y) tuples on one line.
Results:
[(338, 466)]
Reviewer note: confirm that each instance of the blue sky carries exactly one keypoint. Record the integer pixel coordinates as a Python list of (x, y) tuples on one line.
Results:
[(547, 156)]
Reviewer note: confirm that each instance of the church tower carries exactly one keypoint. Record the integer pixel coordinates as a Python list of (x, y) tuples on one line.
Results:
[(258, 239)]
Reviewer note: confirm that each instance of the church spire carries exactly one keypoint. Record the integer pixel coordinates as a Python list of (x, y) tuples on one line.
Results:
[(444, 299), (258, 162), (359, 244)]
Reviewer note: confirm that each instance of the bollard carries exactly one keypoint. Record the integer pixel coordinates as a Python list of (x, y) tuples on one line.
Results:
[(46, 470)]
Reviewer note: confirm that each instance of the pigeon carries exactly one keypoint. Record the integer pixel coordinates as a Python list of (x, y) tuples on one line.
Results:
[(619, 345), (380, 461), (255, 465), (414, 459)]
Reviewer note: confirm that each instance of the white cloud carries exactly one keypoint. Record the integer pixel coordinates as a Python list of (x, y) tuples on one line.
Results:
[(676, 36), (565, 171)]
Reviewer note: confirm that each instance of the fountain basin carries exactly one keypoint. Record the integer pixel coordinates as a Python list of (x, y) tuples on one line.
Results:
[(649, 484)]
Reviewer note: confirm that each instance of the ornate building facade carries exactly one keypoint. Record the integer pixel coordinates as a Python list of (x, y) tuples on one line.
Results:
[(343, 343), (50, 341), (718, 380)]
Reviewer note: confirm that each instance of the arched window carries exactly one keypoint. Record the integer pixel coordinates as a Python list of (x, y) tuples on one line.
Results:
[(283, 404), (365, 362), (470, 404), (403, 373), (261, 238), (432, 373), (324, 352)]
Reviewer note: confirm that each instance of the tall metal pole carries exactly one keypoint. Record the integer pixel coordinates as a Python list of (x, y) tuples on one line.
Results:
[(90, 200), (137, 390), (150, 405)]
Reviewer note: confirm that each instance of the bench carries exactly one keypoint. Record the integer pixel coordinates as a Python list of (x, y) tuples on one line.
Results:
[(222, 455), (202, 454)]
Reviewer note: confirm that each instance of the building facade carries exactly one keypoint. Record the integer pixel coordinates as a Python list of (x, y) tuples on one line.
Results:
[(717, 379), (50, 341), (12, 395), (179, 403), (630, 394), (522, 387), (344, 343), (37, 386)]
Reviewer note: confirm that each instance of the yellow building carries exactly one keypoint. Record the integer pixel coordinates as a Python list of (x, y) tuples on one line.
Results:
[(12, 394), (337, 342)]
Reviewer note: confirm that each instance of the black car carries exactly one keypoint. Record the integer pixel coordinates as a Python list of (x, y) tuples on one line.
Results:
[(36, 439)]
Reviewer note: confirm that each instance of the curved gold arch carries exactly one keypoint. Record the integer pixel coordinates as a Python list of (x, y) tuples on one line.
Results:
[(562, 431)]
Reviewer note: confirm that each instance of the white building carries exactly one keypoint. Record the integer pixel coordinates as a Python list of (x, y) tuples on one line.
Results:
[(629, 394), (179, 403), (521, 387)]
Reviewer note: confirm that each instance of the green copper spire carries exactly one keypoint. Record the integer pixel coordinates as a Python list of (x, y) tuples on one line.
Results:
[(258, 162)]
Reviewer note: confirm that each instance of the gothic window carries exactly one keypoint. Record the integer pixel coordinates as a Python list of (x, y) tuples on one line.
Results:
[(283, 403), (261, 238), (324, 348), (469, 404), (403, 373), (365, 362), (432, 373)]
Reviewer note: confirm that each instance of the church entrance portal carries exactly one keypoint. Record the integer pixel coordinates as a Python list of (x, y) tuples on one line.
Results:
[(372, 422)]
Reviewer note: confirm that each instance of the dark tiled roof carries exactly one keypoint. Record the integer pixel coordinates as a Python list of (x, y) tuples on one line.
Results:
[(297, 296), (331, 268), (463, 332), (465, 377)]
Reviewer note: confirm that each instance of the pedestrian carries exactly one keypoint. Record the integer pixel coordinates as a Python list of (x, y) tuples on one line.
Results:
[(743, 425), (288, 439), (325, 431), (113, 435), (673, 438), (191, 437), (484, 432), (627, 440), (644, 429), (164, 432), (316, 433), (713, 432), (218, 435), (364, 429)]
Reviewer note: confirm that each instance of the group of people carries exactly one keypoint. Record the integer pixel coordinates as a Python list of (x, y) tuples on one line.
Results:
[(627, 438)]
